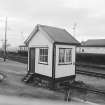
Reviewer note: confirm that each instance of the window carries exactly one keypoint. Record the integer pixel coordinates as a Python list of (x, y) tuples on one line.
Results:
[(43, 55), (82, 50), (65, 56)]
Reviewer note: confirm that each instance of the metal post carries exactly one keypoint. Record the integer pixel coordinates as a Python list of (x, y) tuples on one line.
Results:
[(67, 94), (5, 41)]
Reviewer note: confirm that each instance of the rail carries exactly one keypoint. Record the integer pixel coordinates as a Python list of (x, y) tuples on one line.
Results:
[(78, 71), (94, 74), (86, 89), (18, 58), (67, 87), (90, 65)]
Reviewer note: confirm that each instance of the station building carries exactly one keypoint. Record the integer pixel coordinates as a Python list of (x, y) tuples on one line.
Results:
[(92, 46)]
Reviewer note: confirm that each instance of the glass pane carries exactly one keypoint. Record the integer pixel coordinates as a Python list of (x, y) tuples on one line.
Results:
[(68, 55), (61, 55), (46, 52), (43, 55), (46, 58), (41, 58), (41, 51)]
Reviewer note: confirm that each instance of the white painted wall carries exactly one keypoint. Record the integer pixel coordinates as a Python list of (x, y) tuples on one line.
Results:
[(96, 50), (39, 40), (64, 70), (43, 68)]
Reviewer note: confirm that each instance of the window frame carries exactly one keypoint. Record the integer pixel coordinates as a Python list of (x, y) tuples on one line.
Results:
[(43, 62), (65, 59)]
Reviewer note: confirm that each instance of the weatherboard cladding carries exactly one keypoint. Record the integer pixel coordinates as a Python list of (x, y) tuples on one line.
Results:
[(56, 34)]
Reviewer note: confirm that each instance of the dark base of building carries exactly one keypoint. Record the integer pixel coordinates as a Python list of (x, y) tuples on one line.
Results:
[(48, 82)]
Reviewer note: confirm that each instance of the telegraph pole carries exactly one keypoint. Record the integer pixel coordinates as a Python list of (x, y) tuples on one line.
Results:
[(5, 41)]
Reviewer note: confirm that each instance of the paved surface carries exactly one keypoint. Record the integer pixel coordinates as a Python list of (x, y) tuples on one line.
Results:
[(15, 92)]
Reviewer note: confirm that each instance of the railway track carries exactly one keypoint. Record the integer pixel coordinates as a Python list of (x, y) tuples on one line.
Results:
[(84, 89), (94, 74), (91, 90), (90, 65), (87, 89), (78, 71), (18, 58)]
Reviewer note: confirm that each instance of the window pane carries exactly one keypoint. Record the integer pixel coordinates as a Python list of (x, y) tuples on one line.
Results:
[(65, 55), (68, 55), (43, 55), (46, 58), (45, 51), (41, 51), (61, 55), (41, 58)]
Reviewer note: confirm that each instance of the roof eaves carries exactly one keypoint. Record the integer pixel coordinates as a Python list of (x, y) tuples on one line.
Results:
[(77, 44)]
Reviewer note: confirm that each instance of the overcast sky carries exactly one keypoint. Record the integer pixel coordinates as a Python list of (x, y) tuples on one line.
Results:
[(23, 15)]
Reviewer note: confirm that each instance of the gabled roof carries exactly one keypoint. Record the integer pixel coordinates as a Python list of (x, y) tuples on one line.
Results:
[(56, 34), (95, 42)]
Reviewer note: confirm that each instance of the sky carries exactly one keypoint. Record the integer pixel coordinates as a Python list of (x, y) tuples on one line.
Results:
[(87, 16)]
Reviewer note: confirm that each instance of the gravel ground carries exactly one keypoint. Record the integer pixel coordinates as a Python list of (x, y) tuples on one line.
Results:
[(13, 86), (96, 82), (32, 101)]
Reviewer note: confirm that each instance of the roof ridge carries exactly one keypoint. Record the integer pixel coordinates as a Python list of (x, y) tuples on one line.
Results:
[(51, 27), (56, 34)]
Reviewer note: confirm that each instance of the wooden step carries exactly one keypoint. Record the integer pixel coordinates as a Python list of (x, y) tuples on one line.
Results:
[(27, 77)]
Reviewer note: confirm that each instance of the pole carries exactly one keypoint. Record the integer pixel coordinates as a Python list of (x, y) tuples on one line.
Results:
[(5, 41), (68, 94), (74, 29)]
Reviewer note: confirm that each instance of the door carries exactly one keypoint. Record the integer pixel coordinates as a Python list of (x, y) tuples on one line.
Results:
[(32, 60)]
